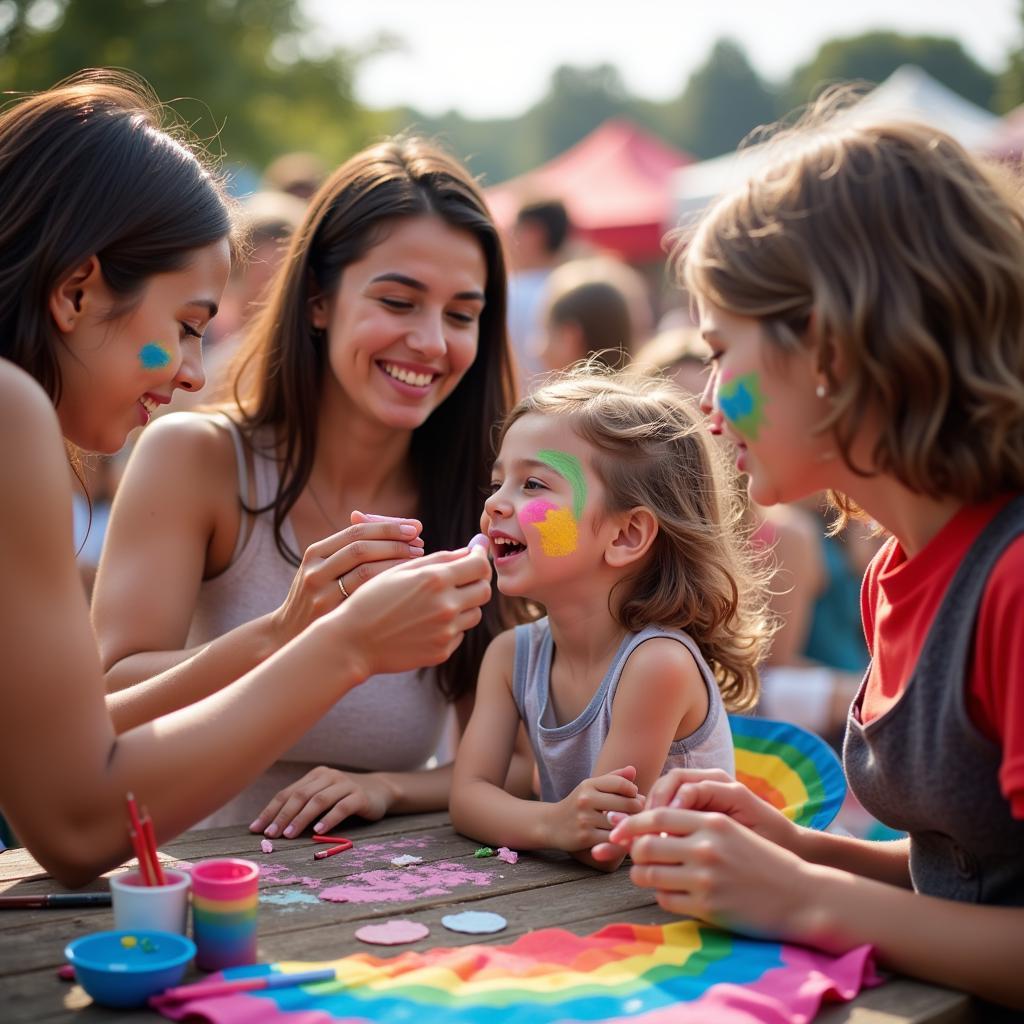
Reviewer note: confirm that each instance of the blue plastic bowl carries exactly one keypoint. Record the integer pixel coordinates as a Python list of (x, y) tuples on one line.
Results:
[(125, 968)]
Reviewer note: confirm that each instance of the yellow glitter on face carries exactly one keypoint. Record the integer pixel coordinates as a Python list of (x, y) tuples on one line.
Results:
[(556, 526)]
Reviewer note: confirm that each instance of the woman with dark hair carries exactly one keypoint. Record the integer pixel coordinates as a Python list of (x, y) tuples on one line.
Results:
[(114, 250), (369, 382)]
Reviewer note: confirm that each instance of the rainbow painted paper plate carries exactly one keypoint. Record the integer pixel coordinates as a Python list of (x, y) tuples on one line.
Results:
[(793, 769)]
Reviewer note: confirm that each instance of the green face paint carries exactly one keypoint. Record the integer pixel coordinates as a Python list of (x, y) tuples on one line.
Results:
[(742, 403), (568, 466)]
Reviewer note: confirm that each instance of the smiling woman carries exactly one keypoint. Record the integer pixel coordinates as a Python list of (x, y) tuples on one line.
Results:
[(369, 382)]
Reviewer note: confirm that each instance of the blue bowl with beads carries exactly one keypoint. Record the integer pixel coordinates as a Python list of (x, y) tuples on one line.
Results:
[(124, 968)]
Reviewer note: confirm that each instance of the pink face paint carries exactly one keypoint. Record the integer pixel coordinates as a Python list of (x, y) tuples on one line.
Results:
[(556, 526)]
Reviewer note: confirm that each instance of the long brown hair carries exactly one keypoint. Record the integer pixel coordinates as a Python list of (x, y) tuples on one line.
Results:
[(282, 366), (87, 170), (899, 258), (652, 448)]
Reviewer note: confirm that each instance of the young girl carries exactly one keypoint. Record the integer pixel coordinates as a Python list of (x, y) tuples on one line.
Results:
[(608, 509), (864, 301), (370, 381), (115, 250)]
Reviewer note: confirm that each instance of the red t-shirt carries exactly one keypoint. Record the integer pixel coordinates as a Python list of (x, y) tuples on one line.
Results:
[(899, 599)]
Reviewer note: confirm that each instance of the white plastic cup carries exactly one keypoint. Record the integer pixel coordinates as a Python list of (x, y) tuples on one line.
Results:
[(160, 907)]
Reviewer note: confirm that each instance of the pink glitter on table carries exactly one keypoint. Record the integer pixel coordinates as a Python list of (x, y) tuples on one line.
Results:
[(412, 883)]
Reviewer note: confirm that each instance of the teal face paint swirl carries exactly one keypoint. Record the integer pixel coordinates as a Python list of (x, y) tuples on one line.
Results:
[(154, 356), (568, 466), (742, 403)]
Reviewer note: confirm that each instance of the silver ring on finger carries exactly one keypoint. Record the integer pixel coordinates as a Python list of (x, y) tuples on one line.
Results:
[(341, 586)]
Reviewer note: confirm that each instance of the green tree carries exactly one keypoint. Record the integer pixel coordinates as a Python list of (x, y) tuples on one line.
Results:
[(577, 101), (723, 101), (246, 75), (1010, 86), (873, 56)]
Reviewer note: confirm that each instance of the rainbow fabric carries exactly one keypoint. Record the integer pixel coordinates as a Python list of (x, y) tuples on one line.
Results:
[(629, 974), (791, 768)]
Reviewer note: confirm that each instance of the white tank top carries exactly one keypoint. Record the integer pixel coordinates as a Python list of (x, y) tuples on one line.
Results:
[(389, 723)]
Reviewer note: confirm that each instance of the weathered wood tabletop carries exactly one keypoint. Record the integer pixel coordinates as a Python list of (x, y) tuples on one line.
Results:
[(540, 891)]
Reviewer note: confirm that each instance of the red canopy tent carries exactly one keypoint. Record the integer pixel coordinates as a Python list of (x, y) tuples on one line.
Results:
[(615, 183)]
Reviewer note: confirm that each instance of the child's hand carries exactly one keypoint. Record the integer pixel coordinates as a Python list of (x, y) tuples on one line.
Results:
[(339, 794), (580, 820), (712, 867)]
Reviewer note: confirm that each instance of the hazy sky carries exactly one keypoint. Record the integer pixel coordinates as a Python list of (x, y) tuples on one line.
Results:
[(494, 57)]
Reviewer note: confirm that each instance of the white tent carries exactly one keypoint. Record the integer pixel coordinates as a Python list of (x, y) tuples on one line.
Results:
[(908, 93)]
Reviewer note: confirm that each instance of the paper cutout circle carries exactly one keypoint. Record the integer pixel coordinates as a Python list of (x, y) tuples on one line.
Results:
[(392, 933), (474, 922)]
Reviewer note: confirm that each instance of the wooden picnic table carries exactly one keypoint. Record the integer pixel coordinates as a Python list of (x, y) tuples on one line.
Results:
[(542, 890)]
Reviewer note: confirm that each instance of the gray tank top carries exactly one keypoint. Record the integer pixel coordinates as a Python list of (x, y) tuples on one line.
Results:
[(389, 723), (923, 767), (566, 754)]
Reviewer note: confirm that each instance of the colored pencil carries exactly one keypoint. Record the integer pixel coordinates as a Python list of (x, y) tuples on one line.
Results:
[(332, 850), (228, 986), (57, 899), (138, 839), (150, 836), (331, 839)]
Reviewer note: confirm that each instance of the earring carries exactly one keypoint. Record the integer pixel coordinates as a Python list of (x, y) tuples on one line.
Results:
[(821, 391)]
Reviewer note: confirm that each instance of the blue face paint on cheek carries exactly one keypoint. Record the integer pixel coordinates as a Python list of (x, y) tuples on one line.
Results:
[(154, 356)]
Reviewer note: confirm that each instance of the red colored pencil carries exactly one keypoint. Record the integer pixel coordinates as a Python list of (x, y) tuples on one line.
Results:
[(150, 837), (137, 837), (330, 839), (332, 850)]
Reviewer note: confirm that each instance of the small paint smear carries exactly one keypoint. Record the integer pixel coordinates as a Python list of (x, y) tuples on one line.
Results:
[(474, 922), (392, 933), (266, 846), (556, 526), (742, 403), (154, 356), (484, 851), (405, 860), (415, 882), (282, 874), (568, 466), (289, 899), (507, 855)]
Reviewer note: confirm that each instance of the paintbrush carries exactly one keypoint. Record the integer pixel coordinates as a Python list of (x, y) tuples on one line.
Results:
[(228, 986), (57, 899)]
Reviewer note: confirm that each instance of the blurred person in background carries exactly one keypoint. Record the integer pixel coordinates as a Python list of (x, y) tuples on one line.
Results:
[(539, 237), (680, 353), (271, 219), (594, 307), (299, 174)]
